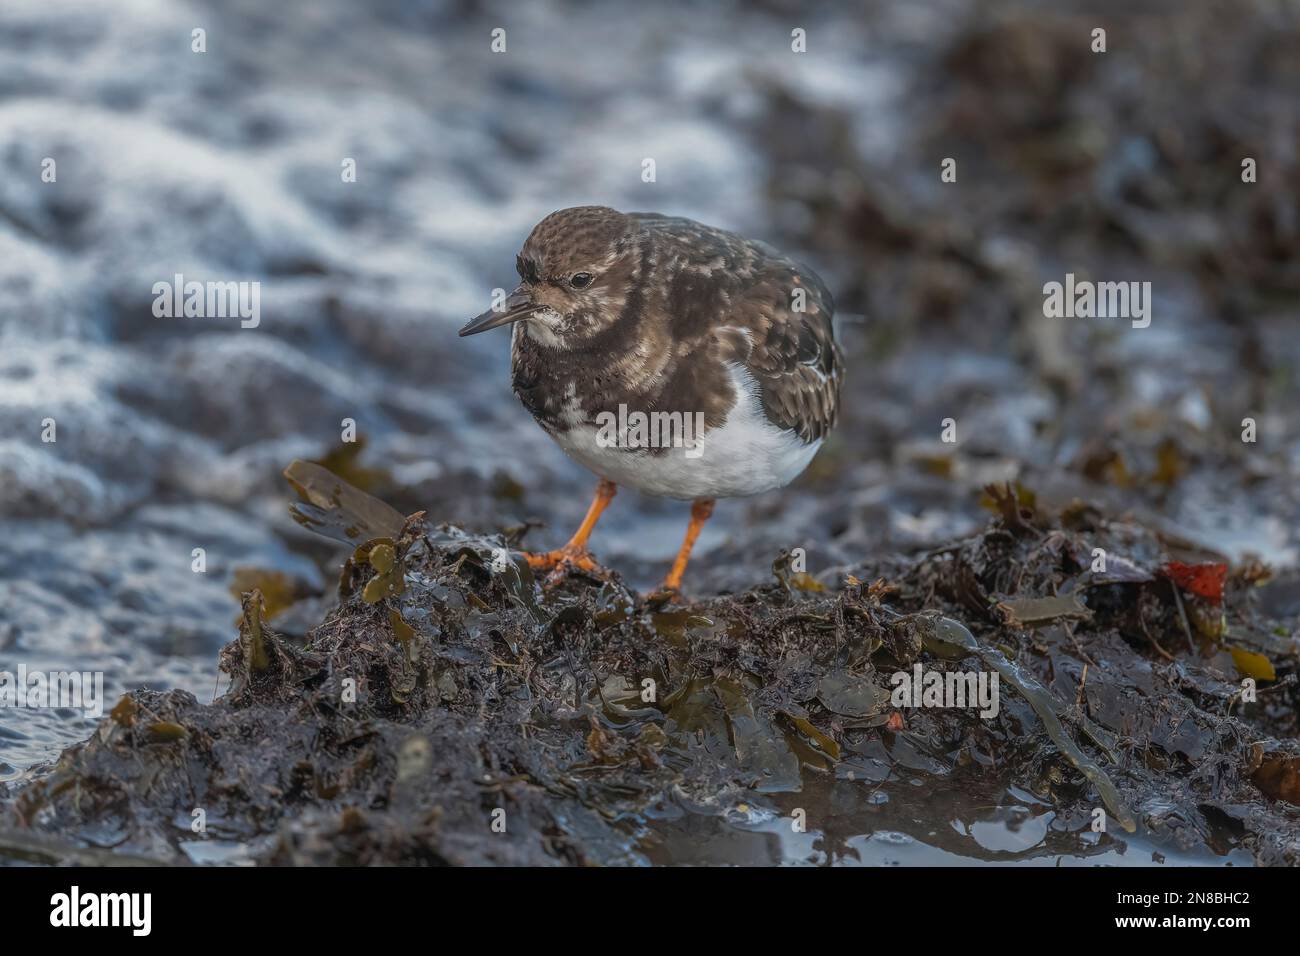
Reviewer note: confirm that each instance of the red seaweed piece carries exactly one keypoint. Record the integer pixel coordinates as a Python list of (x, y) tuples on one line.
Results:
[(1203, 580)]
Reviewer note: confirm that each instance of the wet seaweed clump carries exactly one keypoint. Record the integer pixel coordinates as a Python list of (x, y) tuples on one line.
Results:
[(450, 709)]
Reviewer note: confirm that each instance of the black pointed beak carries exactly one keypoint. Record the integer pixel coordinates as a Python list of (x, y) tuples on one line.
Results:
[(518, 305)]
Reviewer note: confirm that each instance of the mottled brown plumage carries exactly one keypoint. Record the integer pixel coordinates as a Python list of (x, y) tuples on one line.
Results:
[(654, 314), (673, 301)]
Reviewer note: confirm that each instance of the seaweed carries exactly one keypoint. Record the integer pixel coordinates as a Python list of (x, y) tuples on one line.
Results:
[(447, 690), (1049, 711), (336, 509)]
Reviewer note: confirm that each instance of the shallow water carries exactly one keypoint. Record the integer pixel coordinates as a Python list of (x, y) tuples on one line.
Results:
[(905, 824), (171, 433)]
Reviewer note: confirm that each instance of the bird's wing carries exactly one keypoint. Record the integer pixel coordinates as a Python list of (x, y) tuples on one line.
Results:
[(792, 355), (747, 303), (797, 364)]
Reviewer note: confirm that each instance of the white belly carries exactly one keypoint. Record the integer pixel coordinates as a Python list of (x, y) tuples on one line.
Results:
[(745, 456)]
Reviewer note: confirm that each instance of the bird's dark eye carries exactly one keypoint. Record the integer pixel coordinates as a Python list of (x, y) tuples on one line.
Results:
[(580, 280)]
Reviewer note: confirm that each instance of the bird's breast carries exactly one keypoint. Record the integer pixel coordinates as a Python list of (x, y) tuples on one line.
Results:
[(678, 455)]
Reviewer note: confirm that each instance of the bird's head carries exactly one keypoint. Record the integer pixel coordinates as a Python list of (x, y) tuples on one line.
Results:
[(577, 269)]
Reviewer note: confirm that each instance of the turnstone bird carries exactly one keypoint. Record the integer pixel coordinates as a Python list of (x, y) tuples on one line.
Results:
[(661, 353)]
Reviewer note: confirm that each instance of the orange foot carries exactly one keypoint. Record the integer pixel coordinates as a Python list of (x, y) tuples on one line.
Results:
[(575, 555), (559, 560)]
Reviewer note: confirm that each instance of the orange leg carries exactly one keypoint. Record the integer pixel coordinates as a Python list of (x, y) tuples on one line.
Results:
[(701, 510), (575, 552)]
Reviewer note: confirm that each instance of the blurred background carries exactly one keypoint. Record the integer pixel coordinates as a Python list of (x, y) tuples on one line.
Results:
[(225, 166)]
